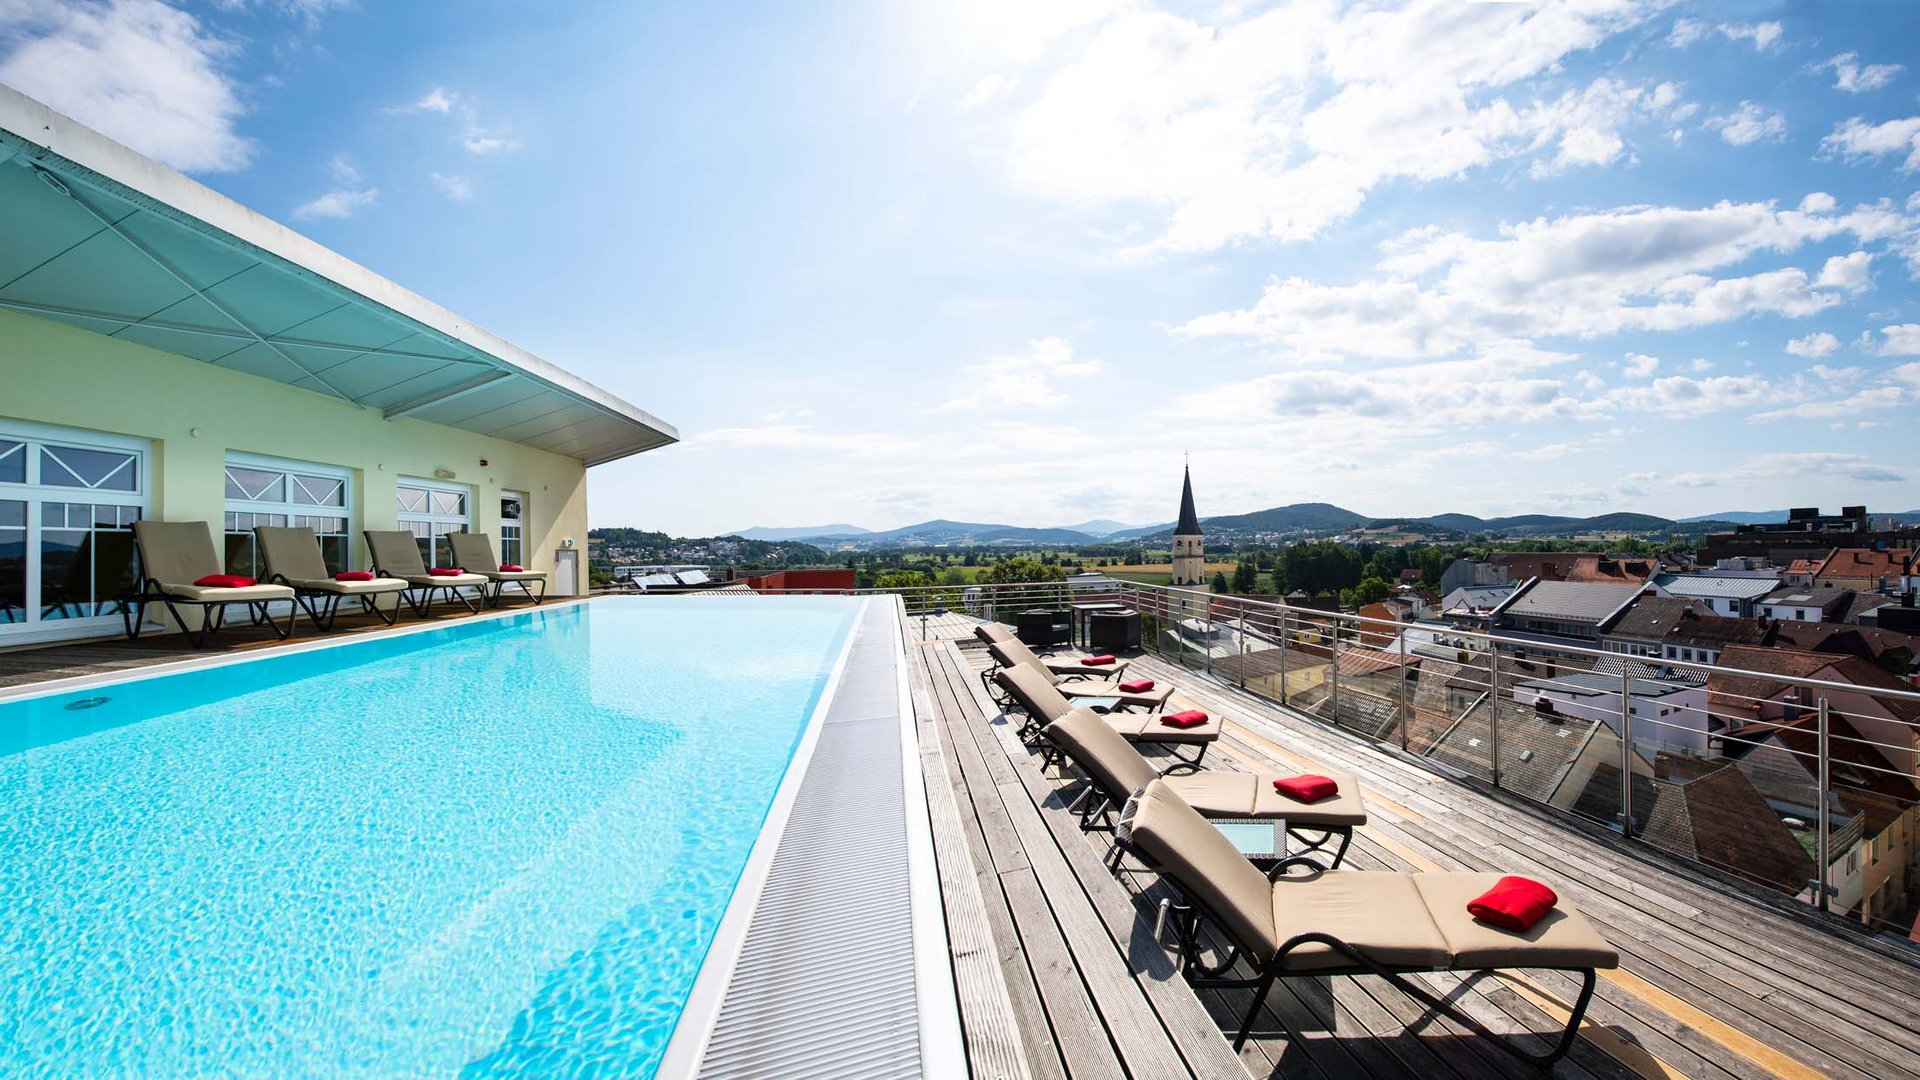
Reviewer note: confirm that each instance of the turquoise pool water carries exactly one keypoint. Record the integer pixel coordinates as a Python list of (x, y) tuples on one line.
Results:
[(497, 848)]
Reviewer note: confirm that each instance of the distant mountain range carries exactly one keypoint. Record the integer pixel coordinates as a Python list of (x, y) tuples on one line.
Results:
[(1299, 519), (798, 532)]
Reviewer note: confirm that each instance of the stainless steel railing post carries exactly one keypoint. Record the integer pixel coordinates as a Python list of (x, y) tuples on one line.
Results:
[(1824, 869), (1626, 751), (1406, 714), (1493, 713), (1333, 676), (1283, 655)]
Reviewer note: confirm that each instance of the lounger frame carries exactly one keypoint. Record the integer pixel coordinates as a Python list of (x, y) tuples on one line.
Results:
[(213, 613), (322, 615), (1186, 915), (1051, 755)]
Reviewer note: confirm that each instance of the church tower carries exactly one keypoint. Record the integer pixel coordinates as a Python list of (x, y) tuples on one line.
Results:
[(1189, 557)]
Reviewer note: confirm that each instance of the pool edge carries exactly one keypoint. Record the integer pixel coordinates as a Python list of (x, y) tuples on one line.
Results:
[(701, 1011)]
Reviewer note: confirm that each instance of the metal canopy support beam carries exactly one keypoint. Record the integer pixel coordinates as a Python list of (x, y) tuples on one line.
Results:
[(126, 321), (60, 186), (441, 397)]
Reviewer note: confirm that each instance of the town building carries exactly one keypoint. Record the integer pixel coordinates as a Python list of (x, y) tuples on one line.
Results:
[(1863, 569), (1806, 534), (1561, 612), (173, 355), (1732, 593), (1804, 604)]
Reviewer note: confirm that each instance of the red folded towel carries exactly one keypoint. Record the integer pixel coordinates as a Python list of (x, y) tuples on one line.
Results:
[(353, 575), (1136, 686), (1307, 787), (444, 571), (226, 581), (1187, 718), (1514, 903), (512, 568), (1096, 661)]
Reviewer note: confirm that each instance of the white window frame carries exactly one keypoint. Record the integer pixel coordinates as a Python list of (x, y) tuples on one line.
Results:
[(286, 508), (519, 526), (438, 524), (34, 493)]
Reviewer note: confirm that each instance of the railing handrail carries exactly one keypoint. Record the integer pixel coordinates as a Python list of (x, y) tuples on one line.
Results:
[(1283, 609)]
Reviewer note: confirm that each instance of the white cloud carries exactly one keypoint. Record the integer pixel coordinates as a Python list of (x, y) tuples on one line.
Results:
[(1280, 123), (343, 170), (1879, 397), (141, 72), (1850, 272), (989, 87), (1855, 78), (1855, 139), (1584, 275), (1764, 35), (456, 188), (339, 203), (1640, 365), (1750, 123), (437, 100), (1827, 465), (1025, 380), (1820, 344), (1902, 340), (308, 12), (476, 137), (1909, 373)]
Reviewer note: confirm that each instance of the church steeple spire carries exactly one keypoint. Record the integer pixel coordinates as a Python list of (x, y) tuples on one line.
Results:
[(1189, 524), (1189, 549)]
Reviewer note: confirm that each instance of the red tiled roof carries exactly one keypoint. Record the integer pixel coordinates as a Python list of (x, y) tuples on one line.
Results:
[(1866, 563)]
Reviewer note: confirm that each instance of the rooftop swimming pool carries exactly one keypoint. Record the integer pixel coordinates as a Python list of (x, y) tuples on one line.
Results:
[(498, 847)]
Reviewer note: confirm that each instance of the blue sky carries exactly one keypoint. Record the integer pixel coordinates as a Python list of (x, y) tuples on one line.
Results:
[(1009, 261)]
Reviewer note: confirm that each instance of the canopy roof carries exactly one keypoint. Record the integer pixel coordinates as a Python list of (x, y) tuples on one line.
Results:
[(103, 238)]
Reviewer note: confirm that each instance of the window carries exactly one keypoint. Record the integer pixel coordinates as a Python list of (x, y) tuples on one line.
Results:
[(262, 491), (513, 508), (68, 501), (430, 509)]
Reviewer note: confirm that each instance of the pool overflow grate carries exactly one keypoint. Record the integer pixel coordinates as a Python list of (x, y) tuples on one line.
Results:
[(824, 985)]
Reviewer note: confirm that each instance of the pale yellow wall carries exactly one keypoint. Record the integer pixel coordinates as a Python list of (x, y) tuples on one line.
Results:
[(52, 373)]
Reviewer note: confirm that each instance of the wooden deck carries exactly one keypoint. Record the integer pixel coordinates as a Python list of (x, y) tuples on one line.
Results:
[(99, 656), (1061, 977)]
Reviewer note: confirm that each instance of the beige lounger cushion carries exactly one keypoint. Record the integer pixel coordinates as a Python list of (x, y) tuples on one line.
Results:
[(351, 588), (1011, 652), (444, 581), (1086, 738), (1155, 697), (1345, 808), (1379, 912), (1563, 939), (1146, 727), (988, 633), (1205, 863), (1035, 692), (204, 594), (512, 575)]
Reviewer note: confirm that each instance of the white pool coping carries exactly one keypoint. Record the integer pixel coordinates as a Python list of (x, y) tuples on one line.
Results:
[(694, 1029)]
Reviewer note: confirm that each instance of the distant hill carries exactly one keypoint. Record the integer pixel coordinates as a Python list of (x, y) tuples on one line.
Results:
[(1295, 517), (1098, 527), (1543, 524), (798, 532), (941, 531), (1742, 517)]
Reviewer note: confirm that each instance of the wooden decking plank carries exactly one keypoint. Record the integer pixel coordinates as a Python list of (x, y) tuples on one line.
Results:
[(1077, 1026), (1172, 1003), (990, 1025)]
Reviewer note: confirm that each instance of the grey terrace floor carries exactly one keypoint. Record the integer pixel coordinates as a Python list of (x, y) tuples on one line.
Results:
[(1060, 976)]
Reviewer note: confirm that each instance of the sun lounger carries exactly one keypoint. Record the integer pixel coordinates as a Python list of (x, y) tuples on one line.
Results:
[(1043, 703), (293, 559), (174, 555), (1078, 685), (473, 552), (995, 636), (1317, 922), (1118, 772), (396, 554)]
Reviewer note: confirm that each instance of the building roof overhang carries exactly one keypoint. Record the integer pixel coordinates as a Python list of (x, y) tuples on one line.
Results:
[(108, 240)]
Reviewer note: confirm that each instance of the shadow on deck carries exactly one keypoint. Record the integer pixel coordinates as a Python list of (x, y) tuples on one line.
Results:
[(1060, 975)]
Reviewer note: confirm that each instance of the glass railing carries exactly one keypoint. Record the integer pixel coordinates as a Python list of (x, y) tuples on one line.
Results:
[(1800, 778)]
